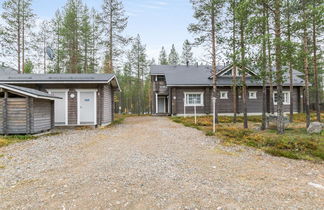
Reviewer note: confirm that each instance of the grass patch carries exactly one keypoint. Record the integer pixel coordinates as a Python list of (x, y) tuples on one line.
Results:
[(6, 140), (296, 143)]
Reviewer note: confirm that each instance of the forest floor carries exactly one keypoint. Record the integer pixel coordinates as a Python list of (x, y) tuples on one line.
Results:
[(152, 163)]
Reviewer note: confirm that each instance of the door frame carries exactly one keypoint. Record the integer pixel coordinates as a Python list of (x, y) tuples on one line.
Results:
[(66, 91), (164, 104), (95, 104)]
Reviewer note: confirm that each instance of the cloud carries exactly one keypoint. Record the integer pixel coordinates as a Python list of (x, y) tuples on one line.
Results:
[(154, 4)]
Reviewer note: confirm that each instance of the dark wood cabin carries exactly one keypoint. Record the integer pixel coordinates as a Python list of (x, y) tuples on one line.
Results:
[(25, 111), (85, 99), (178, 89)]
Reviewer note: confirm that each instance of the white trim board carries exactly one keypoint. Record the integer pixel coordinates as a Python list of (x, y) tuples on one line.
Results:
[(95, 104), (66, 91), (201, 98), (27, 94)]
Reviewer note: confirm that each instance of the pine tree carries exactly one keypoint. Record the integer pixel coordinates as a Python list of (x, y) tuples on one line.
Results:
[(206, 13), (57, 25), (187, 55), (114, 21), (233, 54), (317, 19), (279, 71), (17, 15), (138, 60), (163, 57), (86, 42), (242, 16), (71, 35), (173, 56), (95, 39), (306, 64), (43, 40)]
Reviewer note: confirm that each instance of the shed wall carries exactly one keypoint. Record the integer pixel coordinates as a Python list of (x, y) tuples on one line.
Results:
[(42, 115)]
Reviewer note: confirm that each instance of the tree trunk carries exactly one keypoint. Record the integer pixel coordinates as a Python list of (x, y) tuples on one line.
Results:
[(111, 44), (23, 37), (306, 71), (242, 42), (270, 64), (291, 87), (214, 70), (317, 98), (264, 70), (18, 35), (44, 53), (280, 117), (234, 65)]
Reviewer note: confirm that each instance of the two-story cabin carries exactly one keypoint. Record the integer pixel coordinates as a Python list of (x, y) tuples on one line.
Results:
[(178, 89)]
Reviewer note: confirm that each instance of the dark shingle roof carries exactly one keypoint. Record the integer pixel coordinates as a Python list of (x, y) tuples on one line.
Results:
[(200, 76), (29, 92), (57, 78)]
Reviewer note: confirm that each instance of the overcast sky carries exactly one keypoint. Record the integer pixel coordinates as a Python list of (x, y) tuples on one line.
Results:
[(159, 22)]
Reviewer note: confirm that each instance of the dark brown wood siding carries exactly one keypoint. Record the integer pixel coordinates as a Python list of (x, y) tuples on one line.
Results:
[(72, 107), (17, 116), (42, 115), (225, 105), (1, 114), (107, 104)]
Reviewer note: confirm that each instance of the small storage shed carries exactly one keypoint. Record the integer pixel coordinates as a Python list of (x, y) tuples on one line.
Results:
[(25, 111)]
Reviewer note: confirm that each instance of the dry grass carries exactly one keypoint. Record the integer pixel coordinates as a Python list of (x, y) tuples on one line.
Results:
[(6, 140), (296, 143)]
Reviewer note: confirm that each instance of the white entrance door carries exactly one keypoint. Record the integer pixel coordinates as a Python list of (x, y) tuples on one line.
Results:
[(161, 105), (60, 107), (87, 107)]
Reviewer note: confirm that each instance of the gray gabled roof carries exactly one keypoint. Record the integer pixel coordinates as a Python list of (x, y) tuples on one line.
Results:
[(201, 76), (9, 77), (28, 92), (7, 70), (184, 75), (56, 78)]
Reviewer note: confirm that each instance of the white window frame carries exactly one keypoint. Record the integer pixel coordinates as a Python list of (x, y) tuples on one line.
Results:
[(220, 94), (66, 91), (201, 98), (284, 102), (255, 95), (95, 104)]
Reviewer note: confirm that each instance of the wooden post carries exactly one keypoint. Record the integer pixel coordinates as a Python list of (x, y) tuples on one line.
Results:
[(5, 113)]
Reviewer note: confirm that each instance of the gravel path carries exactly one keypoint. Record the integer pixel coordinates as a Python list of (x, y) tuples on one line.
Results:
[(152, 163)]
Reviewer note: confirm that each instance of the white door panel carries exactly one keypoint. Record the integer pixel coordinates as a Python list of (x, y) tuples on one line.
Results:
[(87, 107), (60, 108)]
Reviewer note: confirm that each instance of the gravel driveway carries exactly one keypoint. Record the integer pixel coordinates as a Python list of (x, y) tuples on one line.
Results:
[(152, 163)]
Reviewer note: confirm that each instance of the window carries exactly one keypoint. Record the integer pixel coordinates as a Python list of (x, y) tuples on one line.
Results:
[(229, 73), (194, 99), (286, 97), (160, 78), (252, 95), (223, 95)]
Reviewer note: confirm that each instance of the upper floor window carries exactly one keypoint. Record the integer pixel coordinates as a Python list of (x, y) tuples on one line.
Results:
[(223, 94), (252, 94), (160, 78), (286, 97), (194, 99)]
